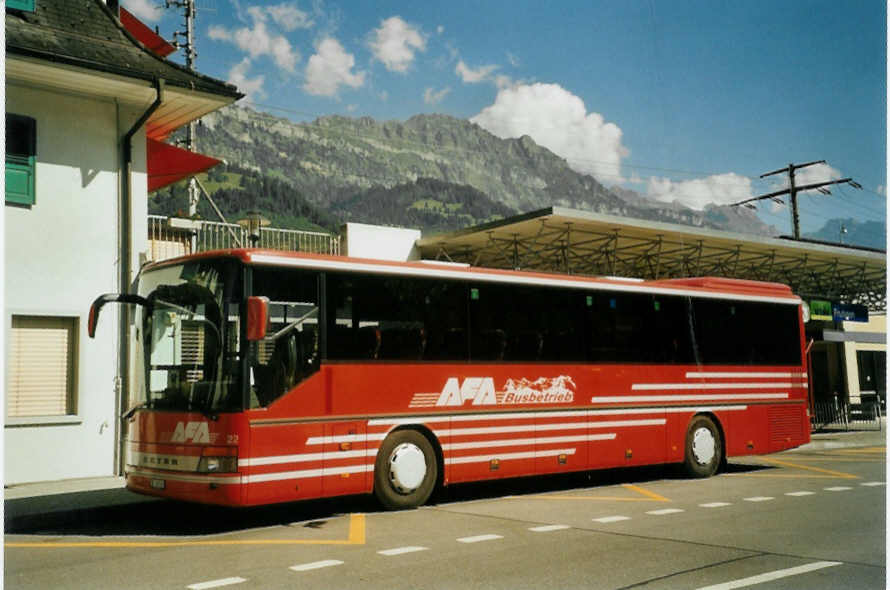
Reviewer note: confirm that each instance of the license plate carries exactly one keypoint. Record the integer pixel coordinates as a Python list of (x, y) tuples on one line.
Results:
[(158, 484)]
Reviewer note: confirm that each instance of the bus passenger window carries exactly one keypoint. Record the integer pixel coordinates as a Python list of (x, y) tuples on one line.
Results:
[(289, 353)]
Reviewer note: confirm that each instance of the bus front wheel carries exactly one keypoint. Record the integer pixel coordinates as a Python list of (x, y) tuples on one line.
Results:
[(704, 448), (406, 470)]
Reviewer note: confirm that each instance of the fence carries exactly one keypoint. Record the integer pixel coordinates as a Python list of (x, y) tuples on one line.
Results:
[(169, 237), (839, 415)]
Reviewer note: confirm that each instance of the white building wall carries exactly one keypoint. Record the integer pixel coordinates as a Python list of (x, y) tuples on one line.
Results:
[(60, 254)]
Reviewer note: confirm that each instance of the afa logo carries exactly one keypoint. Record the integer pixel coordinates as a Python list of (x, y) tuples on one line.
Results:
[(196, 432), (478, 389), (481, 391)]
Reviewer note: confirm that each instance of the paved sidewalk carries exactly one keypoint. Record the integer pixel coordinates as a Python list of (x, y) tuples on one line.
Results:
[(839, 439)]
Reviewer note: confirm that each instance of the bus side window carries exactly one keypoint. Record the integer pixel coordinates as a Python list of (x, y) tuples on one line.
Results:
[(289, 352)]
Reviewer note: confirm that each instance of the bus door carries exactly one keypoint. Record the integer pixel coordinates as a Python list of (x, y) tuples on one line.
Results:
[(346, 459)]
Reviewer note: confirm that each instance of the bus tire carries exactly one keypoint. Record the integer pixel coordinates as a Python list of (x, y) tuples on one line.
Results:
[(704, 448), (405, 471)]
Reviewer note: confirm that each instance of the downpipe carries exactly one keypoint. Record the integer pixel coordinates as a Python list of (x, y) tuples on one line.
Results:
[(126, 269)]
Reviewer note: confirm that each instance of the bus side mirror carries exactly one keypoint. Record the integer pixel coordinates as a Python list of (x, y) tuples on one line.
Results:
[(257, 318), (101, 300)]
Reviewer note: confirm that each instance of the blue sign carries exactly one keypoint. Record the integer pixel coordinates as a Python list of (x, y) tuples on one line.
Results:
[(849, 312)]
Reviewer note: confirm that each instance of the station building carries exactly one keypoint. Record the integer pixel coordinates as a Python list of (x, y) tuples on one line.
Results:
[(89, 101)]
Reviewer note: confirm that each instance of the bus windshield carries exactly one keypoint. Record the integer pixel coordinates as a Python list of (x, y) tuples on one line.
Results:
[(187, 339)]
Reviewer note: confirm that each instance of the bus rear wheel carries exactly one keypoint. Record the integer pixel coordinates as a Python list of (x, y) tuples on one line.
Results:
[(406, 470), (704, 448)]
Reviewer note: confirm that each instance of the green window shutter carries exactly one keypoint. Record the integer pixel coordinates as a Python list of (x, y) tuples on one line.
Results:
[(27, 5), (21, 158)]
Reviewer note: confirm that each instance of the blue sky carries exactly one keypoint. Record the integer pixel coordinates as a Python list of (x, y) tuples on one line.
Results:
[(687, 101)]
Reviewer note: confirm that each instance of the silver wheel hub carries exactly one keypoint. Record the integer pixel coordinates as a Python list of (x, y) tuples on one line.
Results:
[(704, 446), (407, 468)]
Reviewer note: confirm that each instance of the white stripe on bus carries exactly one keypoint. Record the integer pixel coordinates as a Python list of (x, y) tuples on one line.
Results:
[(701, 398), (718, 375), (307, 473), (580, 413), (346, 438), (672, 386), (542, 427), (306, 457)]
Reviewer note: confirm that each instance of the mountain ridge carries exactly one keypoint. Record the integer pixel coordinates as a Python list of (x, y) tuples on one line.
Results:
[(434, 159)]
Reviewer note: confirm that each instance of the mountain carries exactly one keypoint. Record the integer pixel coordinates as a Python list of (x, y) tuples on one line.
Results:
[(434, 172), (870, 234)]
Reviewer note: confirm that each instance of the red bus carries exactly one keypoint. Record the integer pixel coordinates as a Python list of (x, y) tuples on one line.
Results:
[(263, 376)]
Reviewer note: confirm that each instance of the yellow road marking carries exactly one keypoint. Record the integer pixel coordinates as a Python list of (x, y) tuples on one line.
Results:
[(650, 496), (826, 473), (826, 458), (863, 451), (356, 537)]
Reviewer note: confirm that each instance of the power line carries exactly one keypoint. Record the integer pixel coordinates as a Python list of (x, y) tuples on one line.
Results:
[(793, 189)]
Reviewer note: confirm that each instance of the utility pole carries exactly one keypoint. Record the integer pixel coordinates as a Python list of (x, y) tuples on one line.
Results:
[(793, 189), (189, 10)]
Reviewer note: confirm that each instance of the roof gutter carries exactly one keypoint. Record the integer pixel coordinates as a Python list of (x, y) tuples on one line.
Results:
[(126, 269)]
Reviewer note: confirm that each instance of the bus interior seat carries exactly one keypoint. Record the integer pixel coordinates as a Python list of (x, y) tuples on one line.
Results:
[(369, 340)]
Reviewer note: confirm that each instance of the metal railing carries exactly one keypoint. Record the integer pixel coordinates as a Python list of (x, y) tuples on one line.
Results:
[(169, 237), (840, 415)]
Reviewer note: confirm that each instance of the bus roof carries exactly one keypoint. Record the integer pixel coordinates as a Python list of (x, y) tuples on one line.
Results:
[(709, 287)]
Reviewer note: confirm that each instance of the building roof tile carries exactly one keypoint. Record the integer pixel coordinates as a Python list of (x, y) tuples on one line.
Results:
[(86, 34)]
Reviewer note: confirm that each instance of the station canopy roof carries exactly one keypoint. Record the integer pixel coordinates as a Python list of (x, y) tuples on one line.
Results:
[(564, 240)]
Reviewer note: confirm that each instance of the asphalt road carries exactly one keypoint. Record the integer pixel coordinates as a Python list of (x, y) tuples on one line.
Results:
[(813, 519)]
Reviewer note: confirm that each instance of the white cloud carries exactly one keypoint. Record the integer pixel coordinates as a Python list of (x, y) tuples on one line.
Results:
[(514, 61), (289, 17), (330, 68), (718, 189), (395, 43), (251, 87), (433, 97), (471, 76), (440, 29), (558, 120), (144, 9), (259, 40)]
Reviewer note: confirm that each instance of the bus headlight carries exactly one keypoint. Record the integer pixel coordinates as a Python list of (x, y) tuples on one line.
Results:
[(218, 465)]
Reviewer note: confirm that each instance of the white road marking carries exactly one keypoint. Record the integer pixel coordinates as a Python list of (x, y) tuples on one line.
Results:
[(873, 483), (837, 489), (549, 527), (759, 499), (479, 538), (216, 583), (715, 504), (305, 567), (401, 550), (769, 576), (664, 511), (608, 519), (801, 493)]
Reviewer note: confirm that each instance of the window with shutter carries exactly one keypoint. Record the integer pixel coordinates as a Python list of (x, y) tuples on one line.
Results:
[(42, 367), (21, 159)]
